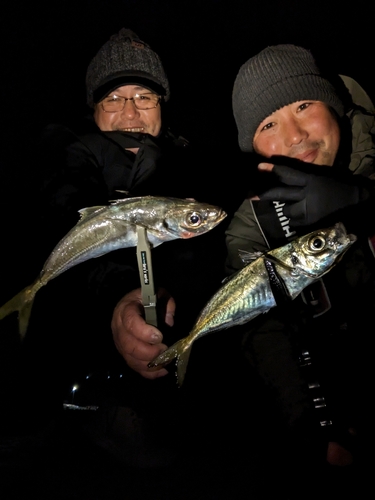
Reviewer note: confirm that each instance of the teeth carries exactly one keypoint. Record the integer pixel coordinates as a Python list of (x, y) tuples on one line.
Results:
[(139, 129)]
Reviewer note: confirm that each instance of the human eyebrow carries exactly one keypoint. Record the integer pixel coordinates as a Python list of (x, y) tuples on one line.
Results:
[(142, 89), (113, 96)]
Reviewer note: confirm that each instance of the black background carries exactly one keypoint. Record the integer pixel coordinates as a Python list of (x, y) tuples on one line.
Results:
[(47, 47), (45, 50)]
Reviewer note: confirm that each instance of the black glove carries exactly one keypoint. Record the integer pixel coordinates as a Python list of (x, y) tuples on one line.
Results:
[(311, 197), (301, 199)]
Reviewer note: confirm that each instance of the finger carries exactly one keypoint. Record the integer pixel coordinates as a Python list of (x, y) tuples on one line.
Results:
[(167, 306), (296, 212), (141, 356), (265, 167), (290, 176), (152, 374), (170, 312), (128, 319), (284, 194), (142, 368), (130, 346)]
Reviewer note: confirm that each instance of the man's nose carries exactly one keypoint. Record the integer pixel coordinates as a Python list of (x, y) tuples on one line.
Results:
[(295, 132), (130, 111)]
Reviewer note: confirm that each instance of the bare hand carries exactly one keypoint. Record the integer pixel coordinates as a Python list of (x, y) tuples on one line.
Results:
[(138, 342)]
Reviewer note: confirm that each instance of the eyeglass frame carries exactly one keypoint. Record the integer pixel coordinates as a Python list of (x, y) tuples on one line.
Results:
[(159, 99)]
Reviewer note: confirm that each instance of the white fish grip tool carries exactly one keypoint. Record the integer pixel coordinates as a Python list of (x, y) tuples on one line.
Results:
[(147, 277)]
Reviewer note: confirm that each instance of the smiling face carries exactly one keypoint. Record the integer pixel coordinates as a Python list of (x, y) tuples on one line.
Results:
[(305, 130), (130, 119)]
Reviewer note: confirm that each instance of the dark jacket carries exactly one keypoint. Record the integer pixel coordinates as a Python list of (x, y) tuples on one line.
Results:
[(336, 340), (75, 167)]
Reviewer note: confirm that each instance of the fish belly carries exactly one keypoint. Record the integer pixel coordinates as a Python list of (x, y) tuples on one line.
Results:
[(75, 250), (238, 301)]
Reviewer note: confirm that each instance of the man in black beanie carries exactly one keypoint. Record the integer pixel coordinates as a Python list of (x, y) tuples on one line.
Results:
[(309, 133)]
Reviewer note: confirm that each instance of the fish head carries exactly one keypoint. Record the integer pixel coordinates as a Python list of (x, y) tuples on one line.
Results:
[(317, 252), (186, 218)]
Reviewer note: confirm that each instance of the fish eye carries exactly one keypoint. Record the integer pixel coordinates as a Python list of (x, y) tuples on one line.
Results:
[(317, 242), (194, 219)]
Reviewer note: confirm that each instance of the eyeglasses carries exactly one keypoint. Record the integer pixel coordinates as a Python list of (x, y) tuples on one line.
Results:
[(114, 103)]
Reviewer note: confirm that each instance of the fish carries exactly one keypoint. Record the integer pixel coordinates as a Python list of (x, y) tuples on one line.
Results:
[(102, 229), (271, 279)]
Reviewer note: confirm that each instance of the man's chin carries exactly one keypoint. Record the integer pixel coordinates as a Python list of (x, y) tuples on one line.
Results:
[(325, 161)]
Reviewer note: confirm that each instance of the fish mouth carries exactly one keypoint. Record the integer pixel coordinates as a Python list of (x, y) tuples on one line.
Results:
[(221, 216), (343, 235), (344, 239)]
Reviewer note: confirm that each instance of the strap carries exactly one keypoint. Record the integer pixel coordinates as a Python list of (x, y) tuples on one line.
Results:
[(279, 290), (146, 275)]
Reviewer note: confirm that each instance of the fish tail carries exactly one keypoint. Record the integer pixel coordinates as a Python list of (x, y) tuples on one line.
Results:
[(21, 303), (179, 351)]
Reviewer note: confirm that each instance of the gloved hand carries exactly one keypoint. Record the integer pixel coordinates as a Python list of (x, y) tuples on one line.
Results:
[(310, 197)]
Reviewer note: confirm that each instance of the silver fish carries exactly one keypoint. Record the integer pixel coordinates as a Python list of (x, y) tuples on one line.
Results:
[(249, 292), (103, 229)]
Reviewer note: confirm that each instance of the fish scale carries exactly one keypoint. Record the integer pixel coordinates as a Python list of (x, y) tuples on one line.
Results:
[(102, 229), (249, 292), (251, 297)]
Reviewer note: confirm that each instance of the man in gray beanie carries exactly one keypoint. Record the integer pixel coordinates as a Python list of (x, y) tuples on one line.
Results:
[(122, 148), (298, 124), (276, 77), (126, 85), (125, 60)]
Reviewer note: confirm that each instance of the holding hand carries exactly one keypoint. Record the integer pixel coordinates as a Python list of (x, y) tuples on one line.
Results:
[(310, 197), (138, 342)]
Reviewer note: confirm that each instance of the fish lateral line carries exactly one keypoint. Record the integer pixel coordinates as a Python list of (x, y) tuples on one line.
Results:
[(268, 287), (105, 228)]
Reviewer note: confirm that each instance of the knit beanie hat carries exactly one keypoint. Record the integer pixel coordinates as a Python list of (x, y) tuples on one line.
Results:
[(125, 60), (277, 76)]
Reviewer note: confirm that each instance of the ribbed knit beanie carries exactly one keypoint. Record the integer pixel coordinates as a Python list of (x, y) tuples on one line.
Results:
[(125, 60), (277, 76)]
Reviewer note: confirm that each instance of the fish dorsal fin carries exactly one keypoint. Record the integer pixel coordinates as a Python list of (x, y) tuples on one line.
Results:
[(86, 212), (125, 201)]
